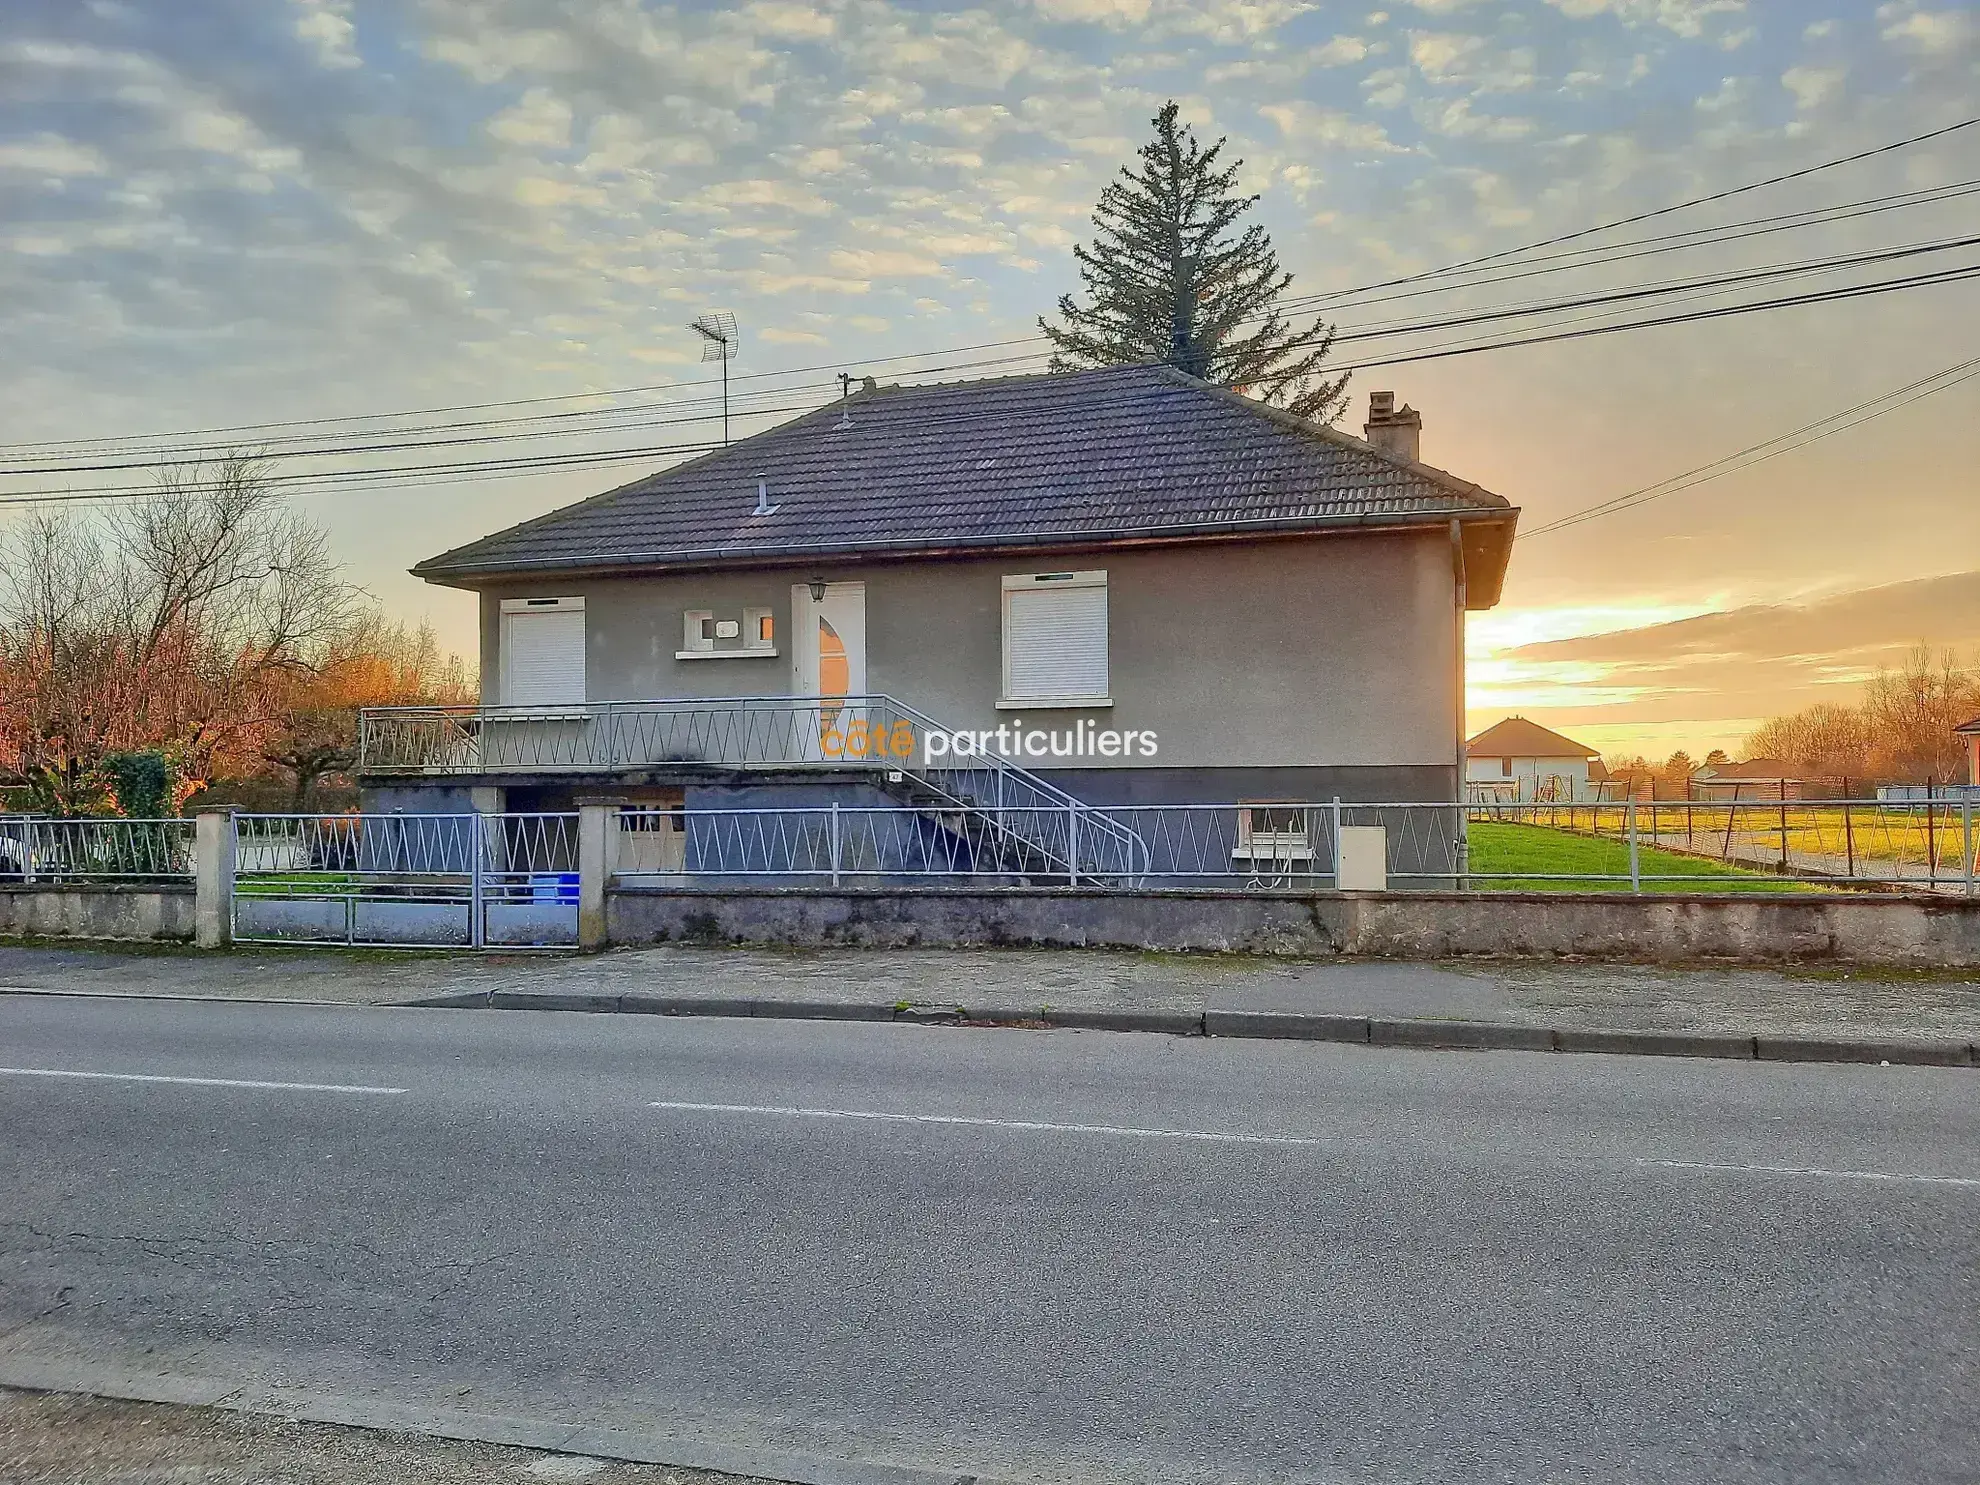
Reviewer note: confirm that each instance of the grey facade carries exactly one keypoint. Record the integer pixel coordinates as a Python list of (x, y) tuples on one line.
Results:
[(1334, 653)]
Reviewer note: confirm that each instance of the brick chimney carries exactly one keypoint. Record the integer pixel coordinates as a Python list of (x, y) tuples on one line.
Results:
[(1396, 431)]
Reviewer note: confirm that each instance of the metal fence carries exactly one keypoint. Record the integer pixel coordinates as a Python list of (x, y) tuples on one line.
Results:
[(468, 880), (36, 850), (1793, 846)]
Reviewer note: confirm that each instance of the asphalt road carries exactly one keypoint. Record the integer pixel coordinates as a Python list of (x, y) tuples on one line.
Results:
[(1048, 1256)]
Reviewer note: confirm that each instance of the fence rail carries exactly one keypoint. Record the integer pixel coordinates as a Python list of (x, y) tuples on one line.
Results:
[(37, 850), (1786, 846)]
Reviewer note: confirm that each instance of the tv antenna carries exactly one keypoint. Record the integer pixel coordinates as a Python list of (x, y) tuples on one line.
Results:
[(717, 329)]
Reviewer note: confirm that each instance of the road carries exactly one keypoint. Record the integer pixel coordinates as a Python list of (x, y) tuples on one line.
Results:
[(1048, 1256)]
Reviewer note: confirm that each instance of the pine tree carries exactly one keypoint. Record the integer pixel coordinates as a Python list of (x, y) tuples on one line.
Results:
[(1169, 278)]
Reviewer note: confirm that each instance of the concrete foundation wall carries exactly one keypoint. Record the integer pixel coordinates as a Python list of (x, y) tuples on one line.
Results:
[(107, 911), (1414, 925)]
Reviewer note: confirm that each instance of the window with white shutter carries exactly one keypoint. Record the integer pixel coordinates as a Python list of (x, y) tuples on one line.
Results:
[(1055, 639), (542, 651)]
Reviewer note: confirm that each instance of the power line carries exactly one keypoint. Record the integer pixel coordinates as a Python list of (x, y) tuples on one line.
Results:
[(1856, 291), (1839, 422), (388, 444), (1662, 211), (1711, 237), (323, 482), (1675, 286)]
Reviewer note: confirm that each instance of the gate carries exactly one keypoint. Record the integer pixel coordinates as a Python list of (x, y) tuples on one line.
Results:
[(438, 881)]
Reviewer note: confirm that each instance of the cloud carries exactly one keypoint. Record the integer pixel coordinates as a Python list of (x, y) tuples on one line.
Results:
[(1813, 86), (1102, 12), (1453, 59), (540, 118), (1684, 17), (1765, 658), (52, 155), (1308, 124), (887, 263), (1935, 32), (325, 27), (793, 22)]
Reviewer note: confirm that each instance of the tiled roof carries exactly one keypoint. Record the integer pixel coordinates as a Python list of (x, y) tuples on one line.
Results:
[(1518, 738), (1055, 460), (1973, 726)]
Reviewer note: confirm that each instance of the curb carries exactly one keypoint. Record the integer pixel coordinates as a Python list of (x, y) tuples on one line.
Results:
[(1428, 1035), (545, 1435)]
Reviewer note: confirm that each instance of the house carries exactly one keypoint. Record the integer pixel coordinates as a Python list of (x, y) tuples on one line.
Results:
[(1756, 778), (1112, 587), (1518, 760), (1970, 732)]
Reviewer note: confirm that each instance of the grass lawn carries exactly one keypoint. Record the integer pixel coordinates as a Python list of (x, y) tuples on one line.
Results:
[(1500, 850), (293, 881)]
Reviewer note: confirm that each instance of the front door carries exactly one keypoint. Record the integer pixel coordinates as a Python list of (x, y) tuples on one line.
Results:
[(828, 660)]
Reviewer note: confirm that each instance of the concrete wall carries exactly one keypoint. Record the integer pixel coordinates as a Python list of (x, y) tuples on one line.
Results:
[(1338, 651), (106, 911), (1415, 925)]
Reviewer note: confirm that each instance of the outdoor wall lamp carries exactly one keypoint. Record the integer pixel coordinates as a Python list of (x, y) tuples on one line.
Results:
[(817, 590)]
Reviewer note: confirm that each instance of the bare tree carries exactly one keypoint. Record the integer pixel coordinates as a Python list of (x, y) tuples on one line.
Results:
[(1902, 731), (1822, 741), (164, 623), (1913, 710)]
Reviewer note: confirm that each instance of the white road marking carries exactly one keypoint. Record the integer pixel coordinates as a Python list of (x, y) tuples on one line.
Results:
[(63, 1072), (1812, 1170), (1218, 1137)]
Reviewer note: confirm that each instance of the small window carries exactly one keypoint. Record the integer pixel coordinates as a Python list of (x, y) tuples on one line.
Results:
[(1274, 832), (1055, 639), (759, 629), (1505, 767), (697, 629)]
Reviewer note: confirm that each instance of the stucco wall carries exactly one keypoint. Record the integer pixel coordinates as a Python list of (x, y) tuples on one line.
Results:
[(1338, 651)]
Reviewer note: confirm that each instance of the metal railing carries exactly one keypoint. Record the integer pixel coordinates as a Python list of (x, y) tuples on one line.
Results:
[(38, 850), (1696, 847), (1016, 819)]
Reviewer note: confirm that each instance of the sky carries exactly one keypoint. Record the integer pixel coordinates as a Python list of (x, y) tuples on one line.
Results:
[(217, 213)]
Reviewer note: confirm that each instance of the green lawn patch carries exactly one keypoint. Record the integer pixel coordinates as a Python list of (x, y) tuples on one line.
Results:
[(1506, 851)]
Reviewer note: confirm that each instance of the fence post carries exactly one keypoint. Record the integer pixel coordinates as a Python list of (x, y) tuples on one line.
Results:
[(595, 863), (1635, 867), (1966, 839), (213, 877), (27, 852), (1337, 842), (1072, 845), (477, 848), (835, 843)]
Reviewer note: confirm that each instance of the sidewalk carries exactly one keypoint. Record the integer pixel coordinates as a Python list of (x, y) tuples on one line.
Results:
[(1811, 1014)]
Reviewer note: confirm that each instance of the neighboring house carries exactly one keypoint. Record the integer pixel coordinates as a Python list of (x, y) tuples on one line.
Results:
[(1970, 731), (1156, 590), (1757, 778), (1521, 760)]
